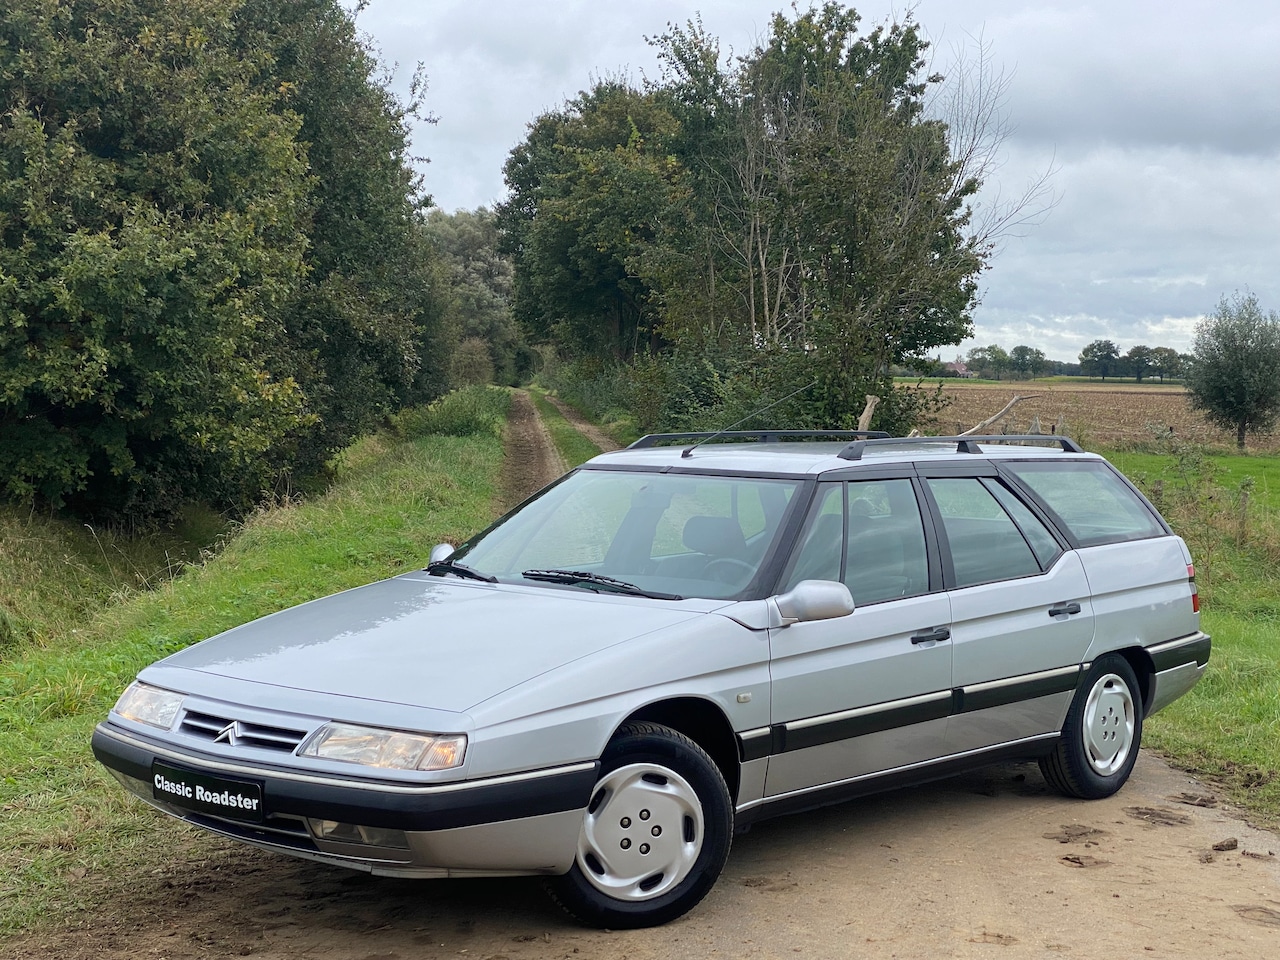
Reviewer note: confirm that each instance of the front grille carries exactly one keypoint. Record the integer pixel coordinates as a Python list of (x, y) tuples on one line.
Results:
[(240, 733)]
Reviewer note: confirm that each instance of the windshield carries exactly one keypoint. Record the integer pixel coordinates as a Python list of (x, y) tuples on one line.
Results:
[(673, 534)]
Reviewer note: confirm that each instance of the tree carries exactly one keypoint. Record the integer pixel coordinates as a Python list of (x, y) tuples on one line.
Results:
[(1139, 360), (1166, 362), (1027, 361), (990, 362), (1099, 359), (1233, 378), (368, 325), (479, 292), (212, 271), (152, 206), (589, 188)]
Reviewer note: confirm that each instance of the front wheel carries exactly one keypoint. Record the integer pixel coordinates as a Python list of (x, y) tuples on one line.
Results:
[(655, 834), (1103, 732)]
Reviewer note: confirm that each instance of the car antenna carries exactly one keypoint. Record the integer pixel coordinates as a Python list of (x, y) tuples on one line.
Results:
[(688, 451)]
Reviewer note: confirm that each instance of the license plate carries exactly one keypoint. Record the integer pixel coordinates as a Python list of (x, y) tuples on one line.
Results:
[(217, 796)]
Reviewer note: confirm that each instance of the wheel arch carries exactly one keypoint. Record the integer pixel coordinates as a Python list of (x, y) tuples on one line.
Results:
[(1144, 669), (705, 724)]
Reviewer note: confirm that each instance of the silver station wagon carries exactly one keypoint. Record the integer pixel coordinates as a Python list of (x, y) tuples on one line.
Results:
[(674, 641)]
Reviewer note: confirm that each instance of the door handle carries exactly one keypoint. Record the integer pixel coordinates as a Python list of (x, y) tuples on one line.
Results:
[(1061, 609), (941, 633)]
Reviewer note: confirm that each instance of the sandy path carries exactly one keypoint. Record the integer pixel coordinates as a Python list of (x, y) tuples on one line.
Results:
[(532, 460)]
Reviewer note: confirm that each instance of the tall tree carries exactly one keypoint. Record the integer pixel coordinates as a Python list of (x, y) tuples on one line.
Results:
[(1234, 377), (1027, 361), (588, 187), (152, 205), (797, 204), (990, 361), (1138, 360), (368, 321), (1099, 359), (1166, 362)]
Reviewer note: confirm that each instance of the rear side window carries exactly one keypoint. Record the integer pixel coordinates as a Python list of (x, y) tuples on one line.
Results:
[(1093, 503), (986, 545)]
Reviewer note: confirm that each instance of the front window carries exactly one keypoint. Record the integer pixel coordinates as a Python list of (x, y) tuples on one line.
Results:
[(875, 545), (672, 534)]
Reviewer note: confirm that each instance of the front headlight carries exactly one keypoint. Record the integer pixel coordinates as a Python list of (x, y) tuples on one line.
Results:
[(149, 705), (393, 749)]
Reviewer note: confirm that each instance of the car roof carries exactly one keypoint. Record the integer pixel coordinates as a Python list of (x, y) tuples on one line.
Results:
[(801, 457)]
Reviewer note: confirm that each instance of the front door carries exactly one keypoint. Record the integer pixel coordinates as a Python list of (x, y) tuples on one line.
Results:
[(869, 692)]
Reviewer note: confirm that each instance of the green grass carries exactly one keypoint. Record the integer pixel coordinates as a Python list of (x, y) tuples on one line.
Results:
[(64, 818), (573, 446), (1228, 727), (54, 573)]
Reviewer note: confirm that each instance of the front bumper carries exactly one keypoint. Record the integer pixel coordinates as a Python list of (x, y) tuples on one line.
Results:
[(523, 823)]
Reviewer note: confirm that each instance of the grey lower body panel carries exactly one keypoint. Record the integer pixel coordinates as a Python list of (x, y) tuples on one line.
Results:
[(978, 729), (1169, 685), (1179, 665), (536, 845)]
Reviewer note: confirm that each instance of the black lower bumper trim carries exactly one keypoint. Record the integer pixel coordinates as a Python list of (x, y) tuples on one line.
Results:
[(1196, 648), (363, 803)]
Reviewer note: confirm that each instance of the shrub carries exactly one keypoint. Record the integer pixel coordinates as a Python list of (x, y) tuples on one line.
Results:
[(471, 411)]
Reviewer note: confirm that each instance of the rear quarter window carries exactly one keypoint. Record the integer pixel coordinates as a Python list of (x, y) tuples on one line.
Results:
[(1090, 500)]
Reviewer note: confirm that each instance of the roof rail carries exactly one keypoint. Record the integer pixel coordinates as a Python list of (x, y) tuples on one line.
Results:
[(963, 444), (760, 436)]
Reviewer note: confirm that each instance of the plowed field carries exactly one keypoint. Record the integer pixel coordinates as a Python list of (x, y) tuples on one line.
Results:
[(1096, 414)]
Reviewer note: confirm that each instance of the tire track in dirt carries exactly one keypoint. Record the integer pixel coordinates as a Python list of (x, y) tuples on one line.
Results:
[(585, 427), (531, 460)]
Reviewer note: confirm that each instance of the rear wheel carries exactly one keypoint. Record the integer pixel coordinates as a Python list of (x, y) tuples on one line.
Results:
[(655, 834), (1103, 732)]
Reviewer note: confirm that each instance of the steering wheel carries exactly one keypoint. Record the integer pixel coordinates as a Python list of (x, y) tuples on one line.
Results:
[(729, 570)]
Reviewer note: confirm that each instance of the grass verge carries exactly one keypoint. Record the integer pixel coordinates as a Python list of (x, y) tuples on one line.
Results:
[(68, 828), (54, 573)]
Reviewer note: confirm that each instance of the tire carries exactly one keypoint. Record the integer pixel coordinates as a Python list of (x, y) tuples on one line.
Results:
[(655, 835), (1100, 740)]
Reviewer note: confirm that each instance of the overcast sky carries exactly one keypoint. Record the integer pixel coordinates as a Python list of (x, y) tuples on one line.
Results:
[(1160, 120)]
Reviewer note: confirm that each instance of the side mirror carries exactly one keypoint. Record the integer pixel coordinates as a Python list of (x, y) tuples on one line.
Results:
[(814, 600), (441, 551)]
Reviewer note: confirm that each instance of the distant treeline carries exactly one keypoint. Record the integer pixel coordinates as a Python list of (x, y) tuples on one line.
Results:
[(1101, 358)]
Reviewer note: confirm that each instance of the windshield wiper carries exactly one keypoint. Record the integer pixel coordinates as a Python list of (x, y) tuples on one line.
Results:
[(598, 580), (441, 567)]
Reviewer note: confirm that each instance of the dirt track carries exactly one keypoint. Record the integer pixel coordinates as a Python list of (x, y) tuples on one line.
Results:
[(987, 865)]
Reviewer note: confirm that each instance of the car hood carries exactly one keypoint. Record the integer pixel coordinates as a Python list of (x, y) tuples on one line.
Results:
[(427, 641)]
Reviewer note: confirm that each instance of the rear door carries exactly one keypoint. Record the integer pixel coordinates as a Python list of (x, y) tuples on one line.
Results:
[(1138, 570), (1022, 618), (871, 691)]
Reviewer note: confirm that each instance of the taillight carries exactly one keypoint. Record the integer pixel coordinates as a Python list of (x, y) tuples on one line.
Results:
[(1195, 594)]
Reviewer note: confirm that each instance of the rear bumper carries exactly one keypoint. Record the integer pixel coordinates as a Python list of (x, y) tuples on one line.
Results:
[(523, 823), (1179, 665)]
